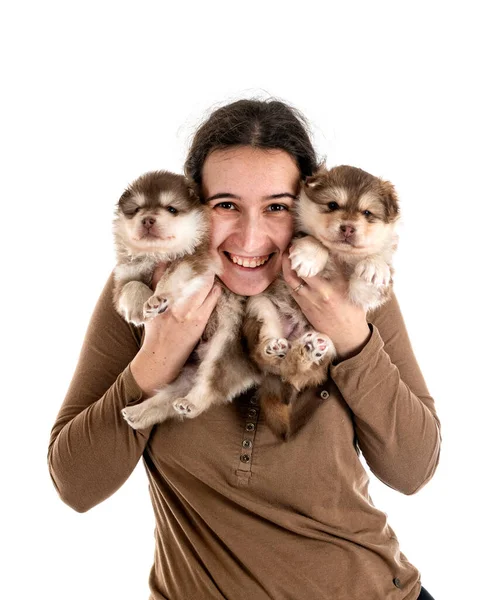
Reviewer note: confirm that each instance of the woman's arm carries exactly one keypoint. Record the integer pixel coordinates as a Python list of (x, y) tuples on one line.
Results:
[(92, 450), (395, 419), (377, 374)]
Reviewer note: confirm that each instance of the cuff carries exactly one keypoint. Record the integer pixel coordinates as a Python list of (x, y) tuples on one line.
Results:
[(371, 348), (134, 394)]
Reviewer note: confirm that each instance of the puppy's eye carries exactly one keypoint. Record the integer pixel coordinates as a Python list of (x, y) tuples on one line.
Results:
[(333, 206), (367, 213), (172, 210), (137, 209)]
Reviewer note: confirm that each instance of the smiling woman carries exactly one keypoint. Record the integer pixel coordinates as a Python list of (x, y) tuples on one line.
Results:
[(250, 192), (239, 513)]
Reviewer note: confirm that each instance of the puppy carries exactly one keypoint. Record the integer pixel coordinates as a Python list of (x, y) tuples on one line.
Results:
[(292, 356), (345, 221), (159, 218)]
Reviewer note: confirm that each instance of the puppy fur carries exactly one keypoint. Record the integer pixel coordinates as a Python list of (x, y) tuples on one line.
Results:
[(159, 218), (345, 221)]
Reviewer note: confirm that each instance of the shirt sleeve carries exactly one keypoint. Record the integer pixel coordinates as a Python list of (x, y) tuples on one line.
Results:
[(396, 424), (92, 450)]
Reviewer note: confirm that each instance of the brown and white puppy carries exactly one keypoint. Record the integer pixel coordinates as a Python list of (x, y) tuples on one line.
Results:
[(290, 353), (345, 221), (348, 219), (159, 218)]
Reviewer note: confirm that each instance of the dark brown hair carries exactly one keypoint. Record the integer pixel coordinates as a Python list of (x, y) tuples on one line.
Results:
[(263, 124)]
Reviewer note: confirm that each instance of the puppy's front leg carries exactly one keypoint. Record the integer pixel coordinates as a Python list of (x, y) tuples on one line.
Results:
[(131, 300), (370, 283), (308, 256)]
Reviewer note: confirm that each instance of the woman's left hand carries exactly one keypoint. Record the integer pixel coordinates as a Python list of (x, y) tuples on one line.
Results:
[(326, 306)]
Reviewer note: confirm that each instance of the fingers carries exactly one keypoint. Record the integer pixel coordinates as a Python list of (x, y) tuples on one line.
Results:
[(291, 278), (321, 287), (209, 304)]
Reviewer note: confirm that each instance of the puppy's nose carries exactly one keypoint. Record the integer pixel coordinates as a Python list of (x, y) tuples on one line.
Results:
[(148, 221), (348, 230)]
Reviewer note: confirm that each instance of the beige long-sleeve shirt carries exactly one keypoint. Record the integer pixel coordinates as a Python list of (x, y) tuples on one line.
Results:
[(239, 514)]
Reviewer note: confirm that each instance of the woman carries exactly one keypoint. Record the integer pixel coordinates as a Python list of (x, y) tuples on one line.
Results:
[(239, 514)]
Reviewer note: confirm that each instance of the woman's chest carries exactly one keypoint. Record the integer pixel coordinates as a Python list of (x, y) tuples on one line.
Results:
[(231, 445)]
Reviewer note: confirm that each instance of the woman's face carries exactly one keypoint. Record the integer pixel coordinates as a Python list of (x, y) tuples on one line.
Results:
[(250, 192)]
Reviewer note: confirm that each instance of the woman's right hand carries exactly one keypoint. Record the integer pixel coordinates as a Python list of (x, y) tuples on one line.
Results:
[(170, 337)]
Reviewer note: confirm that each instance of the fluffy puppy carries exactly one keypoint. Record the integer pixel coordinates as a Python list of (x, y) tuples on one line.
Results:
[(292, 356), (159, 218), (345, 221)]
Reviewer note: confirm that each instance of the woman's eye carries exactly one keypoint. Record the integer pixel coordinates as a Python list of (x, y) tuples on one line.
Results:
[(172, 210), (333, 206), (225, 205), (277, 207)]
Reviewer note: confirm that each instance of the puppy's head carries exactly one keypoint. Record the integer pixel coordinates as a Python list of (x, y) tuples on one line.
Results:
[(160, 212), (350, 211)]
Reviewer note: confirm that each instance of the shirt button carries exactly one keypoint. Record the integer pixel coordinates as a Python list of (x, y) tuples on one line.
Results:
[(252, 412), (245, 458), (324, 394), (247, 444), (250, 427), (397, 583), (253, 401)]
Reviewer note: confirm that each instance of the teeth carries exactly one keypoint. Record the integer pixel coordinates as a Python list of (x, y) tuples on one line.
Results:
[(249, 262)]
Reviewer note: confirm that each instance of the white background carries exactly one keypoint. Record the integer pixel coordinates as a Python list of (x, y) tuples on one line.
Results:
[(94, 94)]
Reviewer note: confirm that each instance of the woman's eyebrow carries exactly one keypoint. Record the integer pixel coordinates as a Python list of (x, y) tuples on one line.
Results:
[(233, 196), (222, 195)]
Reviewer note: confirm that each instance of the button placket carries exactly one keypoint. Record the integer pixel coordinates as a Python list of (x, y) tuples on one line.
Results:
[(251, 419)]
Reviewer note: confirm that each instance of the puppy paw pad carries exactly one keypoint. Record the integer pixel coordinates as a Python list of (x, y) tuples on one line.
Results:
[(277, 347)]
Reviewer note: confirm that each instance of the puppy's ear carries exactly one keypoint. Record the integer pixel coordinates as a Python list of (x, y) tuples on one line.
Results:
[(314, 181), (390, 199), (193, 189), (125, 198)]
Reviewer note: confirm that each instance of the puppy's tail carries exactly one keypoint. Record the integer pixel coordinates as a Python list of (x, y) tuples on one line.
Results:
[(276, 397)]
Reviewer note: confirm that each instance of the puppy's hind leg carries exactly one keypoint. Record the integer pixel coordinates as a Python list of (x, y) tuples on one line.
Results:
[(222, 357), (160, 407), (308, 360), (264, 333)]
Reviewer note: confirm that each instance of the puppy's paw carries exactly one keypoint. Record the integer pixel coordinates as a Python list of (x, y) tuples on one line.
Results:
[(276, 347), (317, 346), (185, 408), (154, 306), (308, 259), (374, 272), (140, 417)]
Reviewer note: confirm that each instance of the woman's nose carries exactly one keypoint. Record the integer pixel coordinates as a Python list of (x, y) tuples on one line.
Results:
[(253, 235)]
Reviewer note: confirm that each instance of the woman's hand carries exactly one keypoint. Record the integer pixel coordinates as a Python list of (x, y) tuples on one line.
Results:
[(170, 337), (326, 306)]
